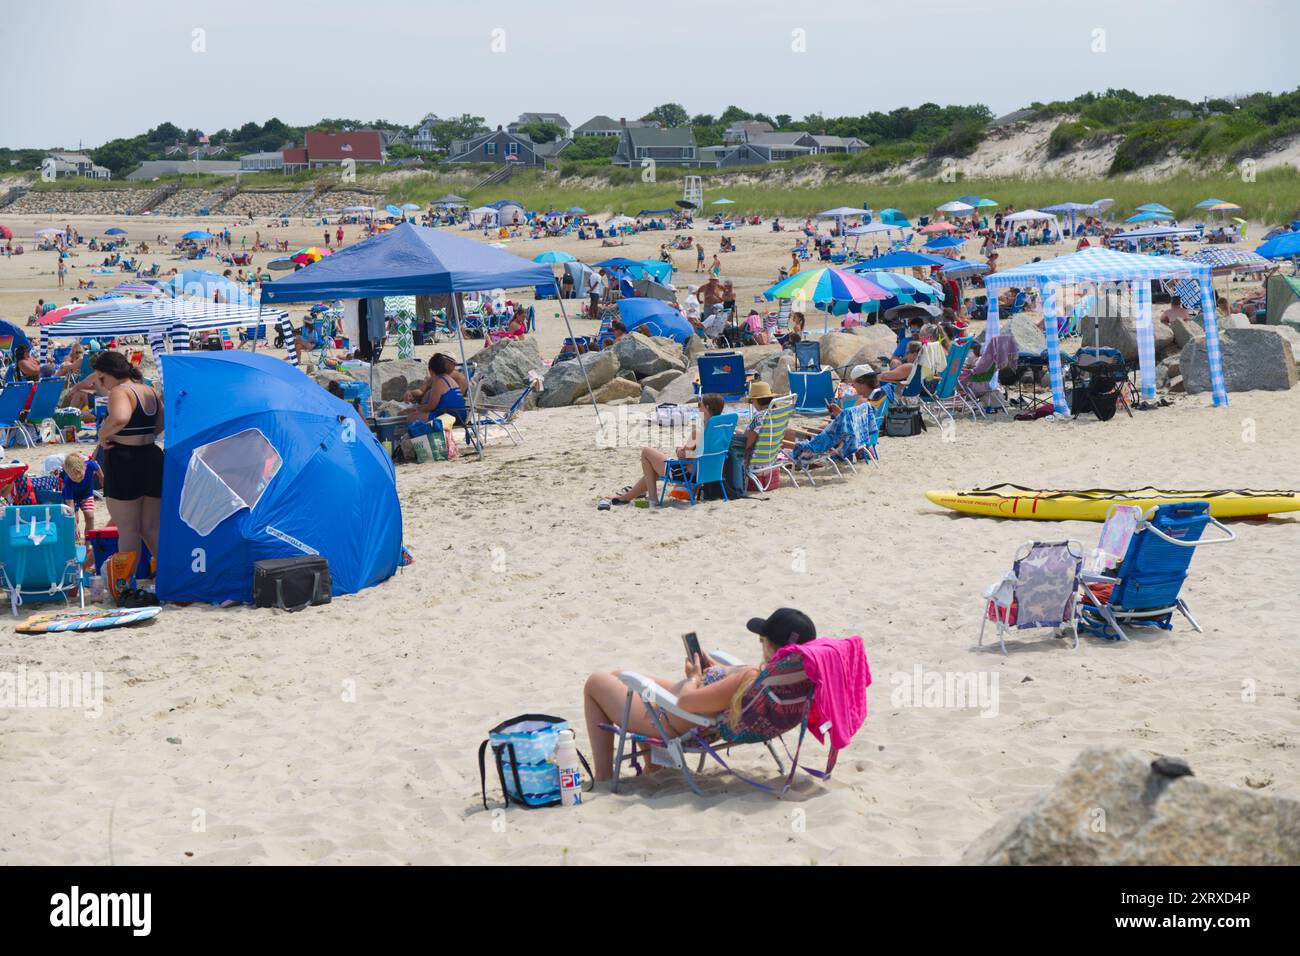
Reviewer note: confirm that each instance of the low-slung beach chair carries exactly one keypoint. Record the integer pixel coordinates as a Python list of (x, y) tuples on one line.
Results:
[(44, 402), (766, 456), (502, 416), (1144, 591), (944, 397), (722, 373), (38, 553), (13, 399), (692, 474), (778, 702), (813, 391), (851, 432), (1041, 590)]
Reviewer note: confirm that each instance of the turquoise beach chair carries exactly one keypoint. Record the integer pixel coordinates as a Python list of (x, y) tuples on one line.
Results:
[(13, 399), (692, 474), (38, 553), (44, 402), (945, 396)]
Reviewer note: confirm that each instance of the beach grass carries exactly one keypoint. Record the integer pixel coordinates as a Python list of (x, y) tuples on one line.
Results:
[(1273, 196)]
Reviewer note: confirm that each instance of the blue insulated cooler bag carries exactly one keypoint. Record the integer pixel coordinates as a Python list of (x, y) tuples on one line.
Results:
[(522, 748)]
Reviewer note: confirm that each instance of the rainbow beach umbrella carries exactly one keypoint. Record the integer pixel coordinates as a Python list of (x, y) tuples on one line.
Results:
[(826, 284), (310, 254)]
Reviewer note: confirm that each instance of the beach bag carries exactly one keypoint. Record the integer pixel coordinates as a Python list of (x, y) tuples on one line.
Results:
[(903, 421), (522, 748), (291, 584)]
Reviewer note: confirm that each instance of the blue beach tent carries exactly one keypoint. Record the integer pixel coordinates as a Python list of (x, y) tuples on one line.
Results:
[(261, 464)]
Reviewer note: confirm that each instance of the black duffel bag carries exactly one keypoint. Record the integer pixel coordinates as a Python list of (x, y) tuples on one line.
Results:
[(291, 584)]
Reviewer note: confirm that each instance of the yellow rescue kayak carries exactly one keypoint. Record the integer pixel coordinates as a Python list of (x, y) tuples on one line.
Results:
[(1013, 501)]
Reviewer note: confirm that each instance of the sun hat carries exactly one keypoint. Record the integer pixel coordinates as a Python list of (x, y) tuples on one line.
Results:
[(761, 390)]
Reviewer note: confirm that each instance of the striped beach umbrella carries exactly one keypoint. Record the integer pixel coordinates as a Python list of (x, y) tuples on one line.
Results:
[(310, 254), (1222, 260), (826, 284), (904, 288)]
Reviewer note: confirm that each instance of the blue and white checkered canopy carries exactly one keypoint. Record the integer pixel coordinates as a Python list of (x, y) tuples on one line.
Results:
[(1220, 259), (1098, 266)]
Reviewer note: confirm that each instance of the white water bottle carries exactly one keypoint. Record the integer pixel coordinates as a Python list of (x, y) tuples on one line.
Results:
[(566, 759)]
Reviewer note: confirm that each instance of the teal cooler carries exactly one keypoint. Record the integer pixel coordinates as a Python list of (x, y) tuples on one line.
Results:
[(358, 393)]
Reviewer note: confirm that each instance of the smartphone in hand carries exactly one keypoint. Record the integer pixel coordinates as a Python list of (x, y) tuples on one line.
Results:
[(692, 644)]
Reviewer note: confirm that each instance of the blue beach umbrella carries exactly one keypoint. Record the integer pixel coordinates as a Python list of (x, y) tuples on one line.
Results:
[(656, 318), (1155, 207), (115, 231), (903, 259), (554, 255), (196, 235), (944, 242), (1284, 246)]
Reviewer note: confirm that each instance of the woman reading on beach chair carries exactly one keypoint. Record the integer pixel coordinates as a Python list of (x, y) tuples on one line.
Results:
[(654, 461), (708, 689)]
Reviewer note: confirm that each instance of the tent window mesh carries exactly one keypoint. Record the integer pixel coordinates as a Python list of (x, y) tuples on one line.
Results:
[(226, 476)]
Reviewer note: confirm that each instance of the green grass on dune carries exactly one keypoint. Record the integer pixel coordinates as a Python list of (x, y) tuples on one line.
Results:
[(1273, 197)]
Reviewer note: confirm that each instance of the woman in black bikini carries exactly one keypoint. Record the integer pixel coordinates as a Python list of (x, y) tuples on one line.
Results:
[(133, 465)]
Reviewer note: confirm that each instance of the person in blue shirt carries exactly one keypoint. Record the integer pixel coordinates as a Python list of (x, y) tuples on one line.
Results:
[(78, 482)]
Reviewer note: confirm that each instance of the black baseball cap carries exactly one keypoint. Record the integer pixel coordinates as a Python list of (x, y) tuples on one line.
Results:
[(784, 626)]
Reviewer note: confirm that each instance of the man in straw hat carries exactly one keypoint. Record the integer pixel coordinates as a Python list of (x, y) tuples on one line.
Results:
[(761, 397)]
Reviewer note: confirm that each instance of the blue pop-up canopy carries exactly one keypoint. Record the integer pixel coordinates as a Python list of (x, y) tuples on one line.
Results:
[(407, 260), (258, 466), (904, 258)]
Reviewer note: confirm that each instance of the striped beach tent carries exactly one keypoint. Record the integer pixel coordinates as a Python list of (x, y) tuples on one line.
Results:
[(1091, 267), (1222, 260)]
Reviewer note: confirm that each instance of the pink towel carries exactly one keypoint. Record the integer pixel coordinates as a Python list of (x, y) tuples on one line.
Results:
[(838, 669)]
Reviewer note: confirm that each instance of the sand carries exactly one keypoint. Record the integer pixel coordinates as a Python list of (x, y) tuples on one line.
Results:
[(349, 733)]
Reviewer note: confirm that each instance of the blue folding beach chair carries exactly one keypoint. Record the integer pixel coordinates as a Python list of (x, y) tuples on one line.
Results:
[(44, 402), (38, 553), (813, 391), (13, 399), (1144, 591), (722, 373), (691, 474), (807, 355)]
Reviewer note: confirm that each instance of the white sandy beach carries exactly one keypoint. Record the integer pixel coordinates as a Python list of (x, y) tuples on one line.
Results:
[(349, 733)]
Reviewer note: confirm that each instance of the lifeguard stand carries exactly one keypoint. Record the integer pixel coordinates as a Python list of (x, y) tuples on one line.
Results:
[(694, 191)]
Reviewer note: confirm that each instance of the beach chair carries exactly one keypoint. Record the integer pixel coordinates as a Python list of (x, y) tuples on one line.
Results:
[(849, 434), (1121, 522), (813, 391), (766, 457), (1144, 591), (1041, 590), (502, 416), (944, 396), (982, 387), (722, 373), (38, 554), (692, 474), (13, 400), (779, 701), (807, 355), (1017, 305)]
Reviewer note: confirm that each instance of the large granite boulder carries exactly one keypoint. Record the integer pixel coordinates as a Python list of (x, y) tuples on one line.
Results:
[(648, 356), (1121, 333), (694, 348), (1029, 337), (839, 348), (660, 380), (880, 340), (564, 381), (504, 367), (1185, 330), (393, 378), (612, 391), (754, 354), (1254, 358), (680, 391), (1116, 807)]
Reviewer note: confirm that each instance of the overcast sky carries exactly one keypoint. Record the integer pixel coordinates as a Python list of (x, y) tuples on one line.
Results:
[(86, 71)]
